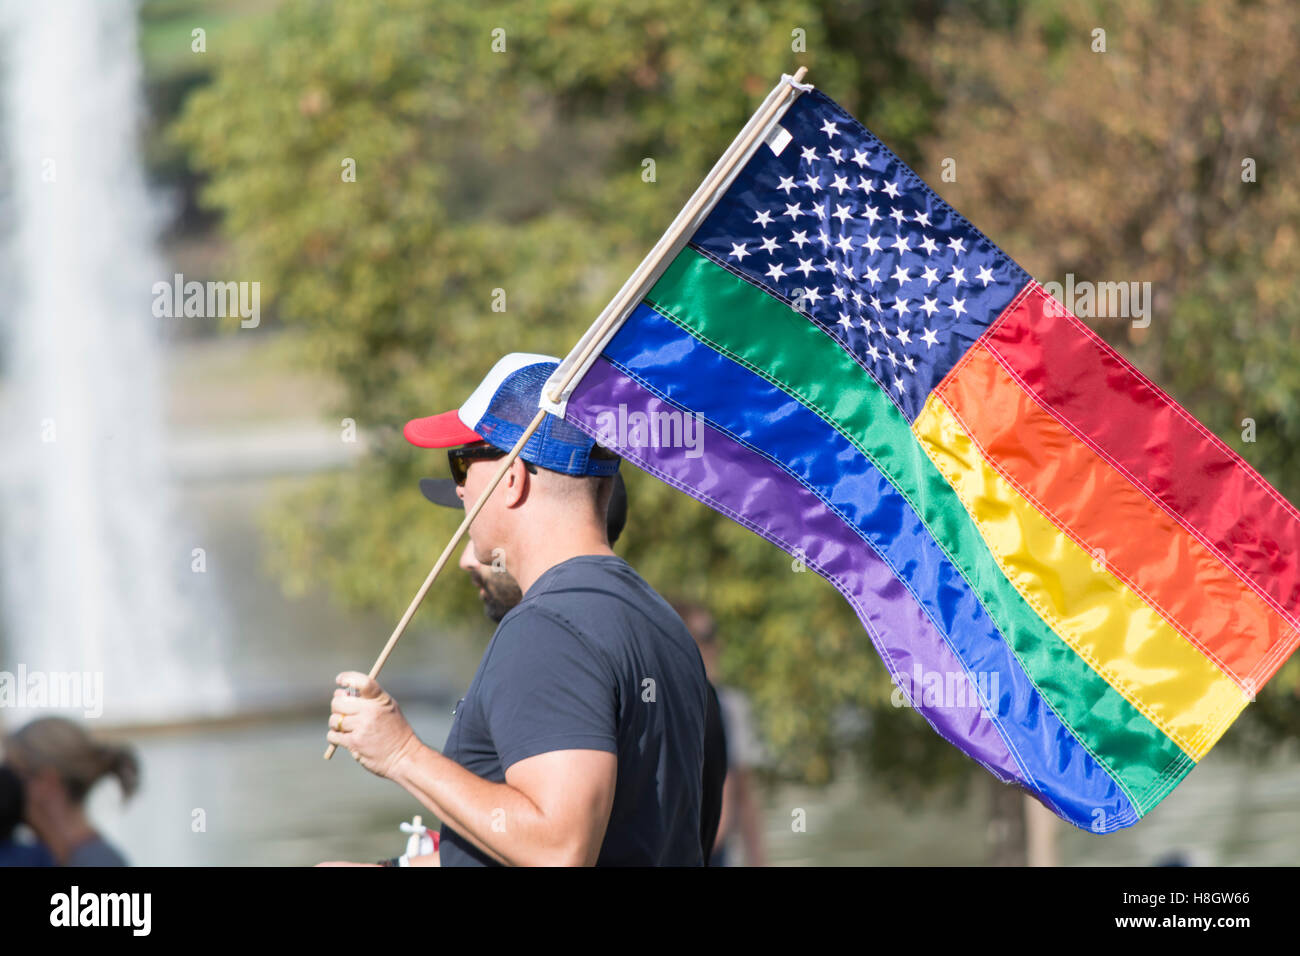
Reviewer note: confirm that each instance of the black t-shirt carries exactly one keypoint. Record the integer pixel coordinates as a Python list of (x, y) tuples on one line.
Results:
[(593, 659)]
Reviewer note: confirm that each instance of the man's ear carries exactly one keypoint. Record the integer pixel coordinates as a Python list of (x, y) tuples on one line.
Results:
[(518, 483)]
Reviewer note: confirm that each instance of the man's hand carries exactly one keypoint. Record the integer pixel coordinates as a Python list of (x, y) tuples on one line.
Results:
[(370, 726)]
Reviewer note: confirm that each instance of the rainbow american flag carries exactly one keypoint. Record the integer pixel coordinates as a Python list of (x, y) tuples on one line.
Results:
[(1073, 580)]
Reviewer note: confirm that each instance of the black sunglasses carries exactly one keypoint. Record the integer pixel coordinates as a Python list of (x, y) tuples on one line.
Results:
[(459, 459)]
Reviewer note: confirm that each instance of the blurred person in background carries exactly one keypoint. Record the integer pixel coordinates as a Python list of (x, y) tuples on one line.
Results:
[(59, 763), (740, 823), (12, 800)]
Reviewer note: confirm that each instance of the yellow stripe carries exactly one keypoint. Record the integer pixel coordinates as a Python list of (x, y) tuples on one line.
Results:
[(1121, 637)]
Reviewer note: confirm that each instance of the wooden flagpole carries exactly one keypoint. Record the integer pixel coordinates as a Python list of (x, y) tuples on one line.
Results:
[(593, 340)]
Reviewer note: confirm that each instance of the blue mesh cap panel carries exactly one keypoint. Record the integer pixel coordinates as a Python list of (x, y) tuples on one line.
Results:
[(556, 445)]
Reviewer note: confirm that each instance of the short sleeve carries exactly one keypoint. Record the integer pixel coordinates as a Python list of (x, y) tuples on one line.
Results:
[(544, 688)]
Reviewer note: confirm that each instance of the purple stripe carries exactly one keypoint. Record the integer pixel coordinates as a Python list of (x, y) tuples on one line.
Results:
[(757, 493)]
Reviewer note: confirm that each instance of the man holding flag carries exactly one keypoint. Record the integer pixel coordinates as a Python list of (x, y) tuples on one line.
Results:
[(581, 737)]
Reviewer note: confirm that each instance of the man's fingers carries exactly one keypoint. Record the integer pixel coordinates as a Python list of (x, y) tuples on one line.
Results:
[(343, 704), (363, 684)]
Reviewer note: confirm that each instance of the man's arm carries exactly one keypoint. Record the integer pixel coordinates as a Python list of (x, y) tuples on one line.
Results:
[(551, 811)]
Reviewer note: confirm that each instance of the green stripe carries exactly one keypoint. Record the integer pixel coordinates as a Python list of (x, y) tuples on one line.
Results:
[(788, 350)]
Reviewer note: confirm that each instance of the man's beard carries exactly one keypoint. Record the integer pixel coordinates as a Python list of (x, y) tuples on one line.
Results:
[(500, 592)]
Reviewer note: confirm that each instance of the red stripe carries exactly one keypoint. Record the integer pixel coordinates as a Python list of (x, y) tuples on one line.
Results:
[(1153, 441), (1102, 511)]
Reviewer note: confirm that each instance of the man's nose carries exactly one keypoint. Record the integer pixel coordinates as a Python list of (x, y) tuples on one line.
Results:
[(467, 560)]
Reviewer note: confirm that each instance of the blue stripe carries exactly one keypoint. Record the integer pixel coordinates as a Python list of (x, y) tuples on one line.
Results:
[(732, 398)]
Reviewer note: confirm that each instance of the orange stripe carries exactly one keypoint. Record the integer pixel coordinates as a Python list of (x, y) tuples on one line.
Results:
[(1106, 514)]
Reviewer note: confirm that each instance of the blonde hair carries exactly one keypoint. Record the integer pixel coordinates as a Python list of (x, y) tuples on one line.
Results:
[(79, 759)]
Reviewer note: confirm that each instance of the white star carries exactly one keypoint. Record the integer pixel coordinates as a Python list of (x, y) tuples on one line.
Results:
[(738, 251), (794, 211), (814, 183), (829, 129), (834, 268), (900, 306), (875, 304), (930, 275), (800, 238), (874, 353), (986, 274), (904, 336), (776, 271), (836, 155), (842, 213), (866, 185), (893, 359), (805, 266), (812, 295), (870, 214), (891, 190), (898, 384), (900, 244), (958, 276), (930, 306), (929, 338), (897, 216), (871, 244), (824, 239), (786, 184), (769, 245), (860, 157), (763, 218), (838, 291), (840, 184), (923, 218), (900, 275), (857, 297), (929, 245), (957, 245), (845, 320), (958, 306), (810, 154), (845, 243), (872, 275)]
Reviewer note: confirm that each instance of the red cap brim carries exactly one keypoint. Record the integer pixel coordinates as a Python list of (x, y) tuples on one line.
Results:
[(440, 431)]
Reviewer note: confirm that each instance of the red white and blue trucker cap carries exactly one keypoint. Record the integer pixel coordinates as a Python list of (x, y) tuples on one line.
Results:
[(501, 408)]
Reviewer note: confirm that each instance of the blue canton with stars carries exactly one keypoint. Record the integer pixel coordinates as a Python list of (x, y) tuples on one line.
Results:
[(841, 229)]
